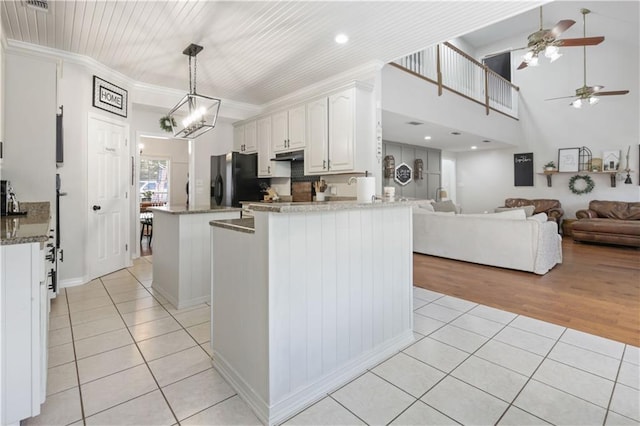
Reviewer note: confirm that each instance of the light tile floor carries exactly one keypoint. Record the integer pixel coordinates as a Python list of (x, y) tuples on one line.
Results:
[(120, 354)]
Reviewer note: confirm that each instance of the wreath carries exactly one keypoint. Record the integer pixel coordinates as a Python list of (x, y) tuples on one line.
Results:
[(166, 123), (589, 185)]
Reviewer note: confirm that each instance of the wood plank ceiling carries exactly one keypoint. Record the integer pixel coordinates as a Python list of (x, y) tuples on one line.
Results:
[(254, 52)]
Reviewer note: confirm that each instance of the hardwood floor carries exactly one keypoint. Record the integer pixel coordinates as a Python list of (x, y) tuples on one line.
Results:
[(596, 289)]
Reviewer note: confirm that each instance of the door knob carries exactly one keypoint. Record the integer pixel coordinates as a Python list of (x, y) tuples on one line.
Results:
[(96, 208)]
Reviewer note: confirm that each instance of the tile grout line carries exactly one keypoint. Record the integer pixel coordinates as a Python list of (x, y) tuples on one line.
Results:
[(615, 384), (142, 356), (75, 359)]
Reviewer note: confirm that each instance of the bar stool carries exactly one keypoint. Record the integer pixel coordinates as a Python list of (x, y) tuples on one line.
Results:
[(146, 224)]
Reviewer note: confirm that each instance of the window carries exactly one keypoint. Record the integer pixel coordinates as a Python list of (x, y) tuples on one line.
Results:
[(154, 180)]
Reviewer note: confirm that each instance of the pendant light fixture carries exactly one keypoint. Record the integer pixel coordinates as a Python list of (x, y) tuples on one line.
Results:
[(195, 114)]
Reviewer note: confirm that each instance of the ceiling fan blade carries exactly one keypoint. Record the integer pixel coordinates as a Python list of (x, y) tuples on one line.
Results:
[(586, 41), (562, 26), (612, 93), (522, 65), (561, 97)]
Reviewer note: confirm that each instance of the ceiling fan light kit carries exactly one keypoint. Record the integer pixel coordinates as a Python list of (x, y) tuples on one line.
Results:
[(546, 40), (586, 95), (195, 114)]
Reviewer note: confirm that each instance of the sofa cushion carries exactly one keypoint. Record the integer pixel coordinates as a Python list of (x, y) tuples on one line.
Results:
[(528, 210), (507, 214), (616, 209), (444, 206), (607, 226)]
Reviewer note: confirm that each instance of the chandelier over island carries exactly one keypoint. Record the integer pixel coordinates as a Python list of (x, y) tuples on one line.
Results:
[(195, 114)]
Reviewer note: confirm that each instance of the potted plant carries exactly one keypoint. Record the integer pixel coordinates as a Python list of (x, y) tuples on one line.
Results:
[(146, 195), (550, 166)]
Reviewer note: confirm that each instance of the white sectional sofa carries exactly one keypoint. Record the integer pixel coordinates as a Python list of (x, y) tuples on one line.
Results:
[(507, 240)]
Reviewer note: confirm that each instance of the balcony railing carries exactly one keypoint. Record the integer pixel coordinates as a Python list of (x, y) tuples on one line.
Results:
[(450, 68)]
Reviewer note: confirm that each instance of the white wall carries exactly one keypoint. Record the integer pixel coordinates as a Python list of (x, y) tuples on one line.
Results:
[(215, 142), (405, 94), (485, 178)]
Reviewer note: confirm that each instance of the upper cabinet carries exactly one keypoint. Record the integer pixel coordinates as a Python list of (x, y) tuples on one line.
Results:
[(266, 167), (339, 133), (245, 138), (315, 155), (288, 132)]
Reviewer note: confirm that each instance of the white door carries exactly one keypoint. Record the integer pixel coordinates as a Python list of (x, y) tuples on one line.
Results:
[(297, 127), (108, 178), (279, 131)]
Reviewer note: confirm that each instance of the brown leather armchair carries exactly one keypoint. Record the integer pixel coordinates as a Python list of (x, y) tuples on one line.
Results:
[(609, 222), (552, 208)]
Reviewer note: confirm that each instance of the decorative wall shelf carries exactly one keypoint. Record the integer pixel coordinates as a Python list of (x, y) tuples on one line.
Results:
[(612, 175)]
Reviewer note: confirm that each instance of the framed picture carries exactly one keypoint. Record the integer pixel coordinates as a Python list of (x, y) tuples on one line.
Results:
[(568, 159), (109, 97), (610, 160)]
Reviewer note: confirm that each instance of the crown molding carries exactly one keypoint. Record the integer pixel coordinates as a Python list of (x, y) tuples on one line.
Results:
[(364, 73), (141, 93)]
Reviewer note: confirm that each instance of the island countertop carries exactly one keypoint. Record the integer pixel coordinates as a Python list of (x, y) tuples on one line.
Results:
[(319, 206), (184, 209), (245, 224)]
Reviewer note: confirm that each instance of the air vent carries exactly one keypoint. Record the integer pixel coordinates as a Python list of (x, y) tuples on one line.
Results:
[(39, 5), (414, 123)]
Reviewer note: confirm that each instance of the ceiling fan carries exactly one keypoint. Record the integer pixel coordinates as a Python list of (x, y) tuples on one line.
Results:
[(586, 95), (546, 40)]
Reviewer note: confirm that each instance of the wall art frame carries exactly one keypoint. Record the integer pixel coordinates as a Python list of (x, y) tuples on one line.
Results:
[(109, 97), (568, 159)]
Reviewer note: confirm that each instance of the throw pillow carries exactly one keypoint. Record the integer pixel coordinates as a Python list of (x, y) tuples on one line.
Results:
[(444, 206), (427, 206), (540, 217), (528, 210)]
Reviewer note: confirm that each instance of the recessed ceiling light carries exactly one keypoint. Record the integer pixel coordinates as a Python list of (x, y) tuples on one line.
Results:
[(342, 38), (456, 133), (474, 147), (427, 138)]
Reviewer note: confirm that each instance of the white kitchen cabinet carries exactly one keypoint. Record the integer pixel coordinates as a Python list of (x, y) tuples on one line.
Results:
[(245, 138), (23, 327), (315, 155), (340, 132), (238, 138), (289, 129), (266, 167)]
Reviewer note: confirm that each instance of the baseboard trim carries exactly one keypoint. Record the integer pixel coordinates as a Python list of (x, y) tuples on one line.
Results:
[(300, 399), (73, 282)]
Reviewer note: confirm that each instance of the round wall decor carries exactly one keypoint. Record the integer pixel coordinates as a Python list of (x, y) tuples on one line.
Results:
[(584, 187)]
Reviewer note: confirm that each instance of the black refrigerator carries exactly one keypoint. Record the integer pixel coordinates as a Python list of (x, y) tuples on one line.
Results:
[(234, 178)]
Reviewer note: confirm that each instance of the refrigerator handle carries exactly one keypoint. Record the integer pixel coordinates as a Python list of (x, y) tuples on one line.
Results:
[(218, 190)]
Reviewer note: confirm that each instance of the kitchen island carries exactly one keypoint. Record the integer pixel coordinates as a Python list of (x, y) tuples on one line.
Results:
[(182, 252), (307, 297)]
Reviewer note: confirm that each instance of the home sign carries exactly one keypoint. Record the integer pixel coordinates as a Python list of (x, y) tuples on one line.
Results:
[(403, 174), (109, 97)]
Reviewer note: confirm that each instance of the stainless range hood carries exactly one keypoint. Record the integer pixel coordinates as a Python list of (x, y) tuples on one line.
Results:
[(289, 156)]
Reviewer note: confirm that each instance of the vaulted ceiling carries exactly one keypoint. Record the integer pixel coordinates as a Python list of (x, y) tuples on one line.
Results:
[(254, 52)]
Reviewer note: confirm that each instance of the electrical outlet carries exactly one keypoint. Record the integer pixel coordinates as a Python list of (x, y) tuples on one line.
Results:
[(333, 190)]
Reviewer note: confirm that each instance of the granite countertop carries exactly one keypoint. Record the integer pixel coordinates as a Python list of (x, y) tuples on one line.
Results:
[(319, 206), (245, 224), (185, 209), (30, 228)]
